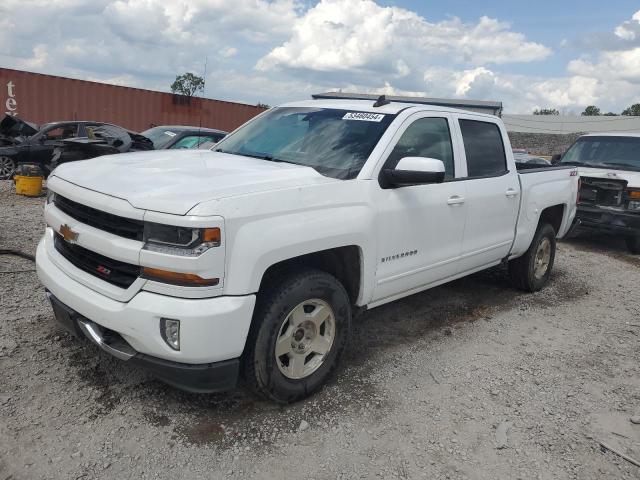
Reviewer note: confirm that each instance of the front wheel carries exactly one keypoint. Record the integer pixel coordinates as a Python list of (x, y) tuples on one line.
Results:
[(633, 244), (7, 168), (299, 331), (531, 271)]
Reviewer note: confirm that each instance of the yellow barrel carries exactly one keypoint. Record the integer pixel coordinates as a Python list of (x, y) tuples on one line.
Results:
[(29, 186)]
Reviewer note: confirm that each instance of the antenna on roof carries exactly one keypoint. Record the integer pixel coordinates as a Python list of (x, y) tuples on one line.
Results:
[(382, 100), (204, 86)]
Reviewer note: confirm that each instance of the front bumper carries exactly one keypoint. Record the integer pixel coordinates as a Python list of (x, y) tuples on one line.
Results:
[(624, 223), (211, 330), (201, 378)]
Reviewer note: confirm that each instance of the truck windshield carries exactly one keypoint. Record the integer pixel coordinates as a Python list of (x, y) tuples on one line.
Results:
[(336, 143), (621, 153)]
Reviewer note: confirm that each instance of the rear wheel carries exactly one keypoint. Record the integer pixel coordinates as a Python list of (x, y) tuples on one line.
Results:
[(633, 244), (299, 331), (7, 168), (531, 271)]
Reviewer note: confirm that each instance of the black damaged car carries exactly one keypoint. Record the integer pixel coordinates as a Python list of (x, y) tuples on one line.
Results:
[(58, 142)]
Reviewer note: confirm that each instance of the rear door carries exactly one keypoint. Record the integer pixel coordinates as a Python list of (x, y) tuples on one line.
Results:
[(420, 227), (493, 192)]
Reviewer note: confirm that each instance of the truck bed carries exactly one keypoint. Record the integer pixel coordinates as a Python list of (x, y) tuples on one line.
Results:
[(543, 187)]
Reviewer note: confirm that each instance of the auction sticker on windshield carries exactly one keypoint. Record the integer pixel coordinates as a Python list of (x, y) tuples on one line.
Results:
[(364, 116)]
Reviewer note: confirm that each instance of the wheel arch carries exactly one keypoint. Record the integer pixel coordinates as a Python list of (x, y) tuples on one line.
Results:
[(553, 215), (345, 263)]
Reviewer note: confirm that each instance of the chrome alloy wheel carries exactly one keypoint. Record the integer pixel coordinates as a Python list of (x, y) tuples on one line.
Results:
[(7, 168), (542, 259), (305, 338)]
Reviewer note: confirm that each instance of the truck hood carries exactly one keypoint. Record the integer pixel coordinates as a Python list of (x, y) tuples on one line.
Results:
[(632, 178), (172, 181)]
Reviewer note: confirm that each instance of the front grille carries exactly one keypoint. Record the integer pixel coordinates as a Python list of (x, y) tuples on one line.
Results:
[(113, 271), (601, 192), (121, 226)]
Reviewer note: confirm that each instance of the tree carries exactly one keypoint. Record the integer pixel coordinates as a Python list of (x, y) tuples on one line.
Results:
[(546, 111), (591, 111), (633, 110), (610, 114), (187, 84), (263, 105)]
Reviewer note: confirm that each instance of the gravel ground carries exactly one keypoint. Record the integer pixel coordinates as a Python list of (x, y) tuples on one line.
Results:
[(472, 380)]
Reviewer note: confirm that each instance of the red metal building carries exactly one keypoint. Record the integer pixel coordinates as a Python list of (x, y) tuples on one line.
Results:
[(39, 98)]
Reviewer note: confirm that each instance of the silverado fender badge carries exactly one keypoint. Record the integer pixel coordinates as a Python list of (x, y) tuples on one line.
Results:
[(68, 234)]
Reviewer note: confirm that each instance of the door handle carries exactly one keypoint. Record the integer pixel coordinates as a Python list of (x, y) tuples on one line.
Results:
[(455, 200), (511, 192)]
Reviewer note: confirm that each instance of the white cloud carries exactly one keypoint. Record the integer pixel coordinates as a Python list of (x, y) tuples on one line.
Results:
[(613, 65), (629, 30), (199, 21), (339, 35), (619, 65), (229, 52)]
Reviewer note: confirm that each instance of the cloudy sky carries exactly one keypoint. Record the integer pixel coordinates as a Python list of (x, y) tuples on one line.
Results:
[(564, 54)]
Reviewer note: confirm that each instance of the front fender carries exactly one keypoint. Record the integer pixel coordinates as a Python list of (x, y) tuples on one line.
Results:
[(257, 244)]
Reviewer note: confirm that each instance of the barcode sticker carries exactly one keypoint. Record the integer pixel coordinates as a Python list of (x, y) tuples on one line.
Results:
[(364, 116)]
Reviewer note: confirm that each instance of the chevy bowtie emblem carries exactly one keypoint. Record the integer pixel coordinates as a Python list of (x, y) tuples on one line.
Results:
[(68, 234)]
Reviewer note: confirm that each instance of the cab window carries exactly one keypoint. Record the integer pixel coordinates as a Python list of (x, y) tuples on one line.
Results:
[(426, 137), (484, 148)]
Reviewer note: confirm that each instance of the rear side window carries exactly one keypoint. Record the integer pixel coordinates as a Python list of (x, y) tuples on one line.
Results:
[(484, 148), (426, 137)]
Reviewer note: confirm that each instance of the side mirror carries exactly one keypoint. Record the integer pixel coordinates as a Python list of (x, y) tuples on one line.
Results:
[(413, 171), (556, 159)]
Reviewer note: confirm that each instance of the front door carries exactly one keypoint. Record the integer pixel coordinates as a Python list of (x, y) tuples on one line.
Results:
[(420, 228)]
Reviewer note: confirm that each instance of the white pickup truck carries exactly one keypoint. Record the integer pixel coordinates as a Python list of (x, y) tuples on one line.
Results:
[(248, 261)]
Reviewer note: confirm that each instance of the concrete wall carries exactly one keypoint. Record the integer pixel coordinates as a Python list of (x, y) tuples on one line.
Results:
[(543, 143), (566, 124)]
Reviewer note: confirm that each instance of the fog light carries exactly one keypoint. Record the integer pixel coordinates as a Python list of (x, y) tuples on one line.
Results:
[(170, 332)]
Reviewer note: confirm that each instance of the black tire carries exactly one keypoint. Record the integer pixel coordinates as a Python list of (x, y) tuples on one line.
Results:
[(633, 244), (523, 269), (7, 167), (260, 371)]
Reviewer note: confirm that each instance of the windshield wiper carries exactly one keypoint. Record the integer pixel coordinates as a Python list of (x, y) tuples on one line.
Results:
[(268, 158), (219, 150), (624, 165), (576, 163), (258, 156)]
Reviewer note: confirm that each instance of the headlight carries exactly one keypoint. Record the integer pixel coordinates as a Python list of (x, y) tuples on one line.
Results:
[(183, 241), (634, 199), (634, 205), (51, 196)]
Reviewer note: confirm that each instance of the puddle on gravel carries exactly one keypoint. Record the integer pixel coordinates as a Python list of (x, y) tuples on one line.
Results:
[(239, 419), (92, 372)]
